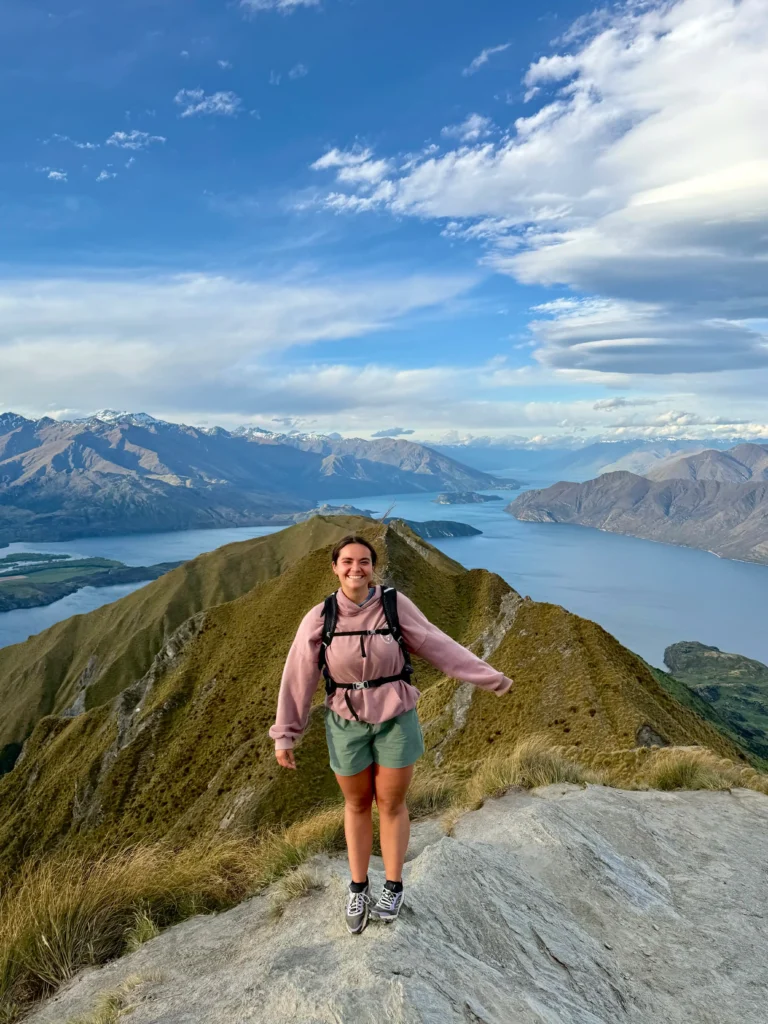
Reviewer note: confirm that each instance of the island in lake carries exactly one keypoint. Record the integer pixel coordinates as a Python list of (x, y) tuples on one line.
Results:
[(464, 498), (30, 579)]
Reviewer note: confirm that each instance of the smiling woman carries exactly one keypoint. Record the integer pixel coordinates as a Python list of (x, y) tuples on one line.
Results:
[(361, 639)]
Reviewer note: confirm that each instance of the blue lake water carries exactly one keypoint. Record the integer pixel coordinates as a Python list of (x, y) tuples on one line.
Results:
[(648, 595)]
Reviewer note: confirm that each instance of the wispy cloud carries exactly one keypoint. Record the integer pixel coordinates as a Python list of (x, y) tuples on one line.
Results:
[(73, 142), (284, 6), (298, 71), (483, 57), (195, 102), (54, 175), (470, 130), (341, 158), (226, 65), (393, 432), (106, 175), (275, 78), (133, 139)]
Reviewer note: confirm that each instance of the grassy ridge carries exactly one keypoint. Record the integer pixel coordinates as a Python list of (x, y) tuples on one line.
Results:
[(188, 749), (114, 645)]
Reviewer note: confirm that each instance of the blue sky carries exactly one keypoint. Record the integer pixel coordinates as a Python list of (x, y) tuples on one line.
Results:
[(454, 218)]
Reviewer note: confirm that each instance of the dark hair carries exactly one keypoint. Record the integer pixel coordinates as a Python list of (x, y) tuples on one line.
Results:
[(353, 539)]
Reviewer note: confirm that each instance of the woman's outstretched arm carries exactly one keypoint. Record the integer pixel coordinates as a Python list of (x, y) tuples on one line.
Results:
[(299, 683), (435, 646)]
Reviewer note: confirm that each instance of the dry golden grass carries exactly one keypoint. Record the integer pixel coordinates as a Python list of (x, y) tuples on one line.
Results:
[(113, 1005), (72, 911), (143, 929), (532, 763), (698, 768), (294, 885)]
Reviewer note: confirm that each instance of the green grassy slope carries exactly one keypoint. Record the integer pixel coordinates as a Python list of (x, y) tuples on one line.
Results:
[(187, 748), (736, 687), (114, 645)]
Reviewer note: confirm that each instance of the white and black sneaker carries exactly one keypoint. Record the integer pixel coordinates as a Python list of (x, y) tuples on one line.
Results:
[(357, 909), (388, 906)]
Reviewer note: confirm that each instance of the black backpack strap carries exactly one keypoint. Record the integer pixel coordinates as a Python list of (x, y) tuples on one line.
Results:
[(330, 617), (389, 604)]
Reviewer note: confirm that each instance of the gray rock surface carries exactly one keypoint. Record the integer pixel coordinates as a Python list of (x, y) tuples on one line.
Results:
[(562, 906)]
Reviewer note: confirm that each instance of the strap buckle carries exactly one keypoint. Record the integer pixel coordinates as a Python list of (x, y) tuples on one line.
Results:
[(361, 686)]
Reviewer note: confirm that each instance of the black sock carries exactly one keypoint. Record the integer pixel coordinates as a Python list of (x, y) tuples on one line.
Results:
[(394, 886), (358, 886)]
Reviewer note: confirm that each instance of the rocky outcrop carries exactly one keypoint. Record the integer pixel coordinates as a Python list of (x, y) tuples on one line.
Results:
[(562, 906)]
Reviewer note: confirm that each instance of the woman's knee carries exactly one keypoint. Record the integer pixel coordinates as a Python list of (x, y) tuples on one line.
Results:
[(359, 803), (390, 804)]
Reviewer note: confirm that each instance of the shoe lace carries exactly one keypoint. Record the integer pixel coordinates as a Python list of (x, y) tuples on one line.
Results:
[(389, 899), (356, 901)]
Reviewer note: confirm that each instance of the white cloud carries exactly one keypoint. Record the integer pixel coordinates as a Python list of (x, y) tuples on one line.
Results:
[(133, 139), (106, 175), (298, 71), (194, 102), (56, 175), (284, 6), (341, 158), (470, 130), (194, 341), (483, 57), (226, 65), (73, 142), (641, 179)]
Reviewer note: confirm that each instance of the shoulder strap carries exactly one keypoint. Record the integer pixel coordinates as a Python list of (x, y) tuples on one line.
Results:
[(389, 604), (330, 616)]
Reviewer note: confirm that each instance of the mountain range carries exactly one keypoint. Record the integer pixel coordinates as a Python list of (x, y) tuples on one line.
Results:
[(131, 473), (716, 500)]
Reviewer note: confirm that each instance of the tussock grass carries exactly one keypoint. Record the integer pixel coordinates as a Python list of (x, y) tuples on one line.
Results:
[(113, 1005), (144, 928), (697, 768), (73, 911), (298, 883), (431, 791), (533, 762)]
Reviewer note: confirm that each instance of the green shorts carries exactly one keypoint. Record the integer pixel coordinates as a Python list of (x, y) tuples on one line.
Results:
[(354, 746)]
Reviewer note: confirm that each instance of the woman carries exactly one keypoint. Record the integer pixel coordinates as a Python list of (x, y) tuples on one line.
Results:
[(373, 733)]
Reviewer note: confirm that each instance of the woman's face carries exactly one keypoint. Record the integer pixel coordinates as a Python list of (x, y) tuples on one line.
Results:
[(354, 567)]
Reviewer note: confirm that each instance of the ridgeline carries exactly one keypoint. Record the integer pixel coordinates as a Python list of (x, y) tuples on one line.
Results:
[(149, 717)]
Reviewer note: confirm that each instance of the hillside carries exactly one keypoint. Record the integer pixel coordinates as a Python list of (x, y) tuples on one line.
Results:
[(565, 905), (133, 474), (730, 519), (738, 464), (176, 745), (737, 687), (89, 658)]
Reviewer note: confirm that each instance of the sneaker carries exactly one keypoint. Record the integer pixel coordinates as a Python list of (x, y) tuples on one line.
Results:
[(357, 910), (388, 906)]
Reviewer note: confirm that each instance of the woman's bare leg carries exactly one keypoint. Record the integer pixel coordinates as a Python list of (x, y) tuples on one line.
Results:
[(391, 785), (358, 824)]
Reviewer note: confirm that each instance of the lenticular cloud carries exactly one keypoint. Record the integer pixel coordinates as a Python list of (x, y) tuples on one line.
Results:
[(640, 179)]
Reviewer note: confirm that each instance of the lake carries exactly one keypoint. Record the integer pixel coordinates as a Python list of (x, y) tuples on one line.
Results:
[(648, 595)]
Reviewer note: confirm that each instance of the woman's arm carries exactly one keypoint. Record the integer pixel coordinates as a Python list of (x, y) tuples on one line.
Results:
[(432, 644), (299, 683)]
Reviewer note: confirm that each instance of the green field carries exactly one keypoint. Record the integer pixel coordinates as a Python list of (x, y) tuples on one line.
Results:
[(30, 579)]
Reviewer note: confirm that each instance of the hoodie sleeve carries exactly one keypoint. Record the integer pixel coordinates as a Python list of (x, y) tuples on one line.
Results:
[(429, 642), (301, 677)]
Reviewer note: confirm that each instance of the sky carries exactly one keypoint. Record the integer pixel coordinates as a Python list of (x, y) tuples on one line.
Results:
[(444, 219)]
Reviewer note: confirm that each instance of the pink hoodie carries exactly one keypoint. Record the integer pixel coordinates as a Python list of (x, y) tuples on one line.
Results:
[(347, 664)]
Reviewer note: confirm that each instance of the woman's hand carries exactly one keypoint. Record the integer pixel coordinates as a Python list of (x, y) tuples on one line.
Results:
[(285, 758)]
